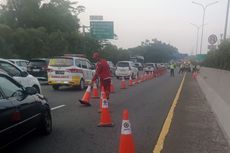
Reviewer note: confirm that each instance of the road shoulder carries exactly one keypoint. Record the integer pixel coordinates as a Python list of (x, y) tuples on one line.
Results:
[(194, 127)]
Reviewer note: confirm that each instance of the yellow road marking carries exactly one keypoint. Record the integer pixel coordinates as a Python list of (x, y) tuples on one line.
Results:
[(160, 142)]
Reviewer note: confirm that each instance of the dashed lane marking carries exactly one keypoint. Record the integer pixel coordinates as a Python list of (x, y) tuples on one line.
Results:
[(57, 107)]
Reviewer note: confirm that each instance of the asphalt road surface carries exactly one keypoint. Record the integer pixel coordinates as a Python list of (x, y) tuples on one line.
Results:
[(75, 126)]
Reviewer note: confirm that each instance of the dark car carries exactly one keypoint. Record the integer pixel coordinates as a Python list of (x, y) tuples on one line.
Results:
[(22, 111), (38, 68)]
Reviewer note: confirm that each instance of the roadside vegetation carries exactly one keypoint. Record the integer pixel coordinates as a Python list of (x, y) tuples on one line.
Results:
[(219, 58), (41, 28)]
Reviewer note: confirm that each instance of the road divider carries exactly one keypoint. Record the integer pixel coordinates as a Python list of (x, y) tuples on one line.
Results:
[(161, 139)]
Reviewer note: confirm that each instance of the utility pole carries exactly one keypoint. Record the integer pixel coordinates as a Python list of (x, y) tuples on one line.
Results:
[(226, 21), (204, 7), (197, 35)]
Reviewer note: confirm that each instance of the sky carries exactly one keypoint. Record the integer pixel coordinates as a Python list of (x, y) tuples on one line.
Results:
[(167, 20)]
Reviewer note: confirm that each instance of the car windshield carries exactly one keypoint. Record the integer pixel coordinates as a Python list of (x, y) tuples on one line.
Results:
[(149, 65), (123, 64), (61, 62), (37, 63)]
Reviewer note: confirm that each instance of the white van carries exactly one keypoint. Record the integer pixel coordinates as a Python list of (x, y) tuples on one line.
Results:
[(19, 75), (70, 71), (126, 69)]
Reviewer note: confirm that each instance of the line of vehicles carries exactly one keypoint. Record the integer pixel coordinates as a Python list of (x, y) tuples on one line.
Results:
[(73, 70), (23, 108)]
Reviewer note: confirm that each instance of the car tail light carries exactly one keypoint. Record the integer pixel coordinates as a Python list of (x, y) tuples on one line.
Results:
[(50, 70), (74, 70)]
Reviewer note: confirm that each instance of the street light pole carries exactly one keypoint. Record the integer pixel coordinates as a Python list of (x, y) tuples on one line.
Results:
[(226, 21), (204, 7), (197, 35)]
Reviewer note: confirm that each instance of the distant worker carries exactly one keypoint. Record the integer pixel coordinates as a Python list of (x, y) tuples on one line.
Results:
[(182, 67), (198, 68), (172, 69), (102, 72)]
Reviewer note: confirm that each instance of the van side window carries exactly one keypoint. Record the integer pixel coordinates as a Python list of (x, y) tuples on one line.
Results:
[(84, 65), (78, 63)]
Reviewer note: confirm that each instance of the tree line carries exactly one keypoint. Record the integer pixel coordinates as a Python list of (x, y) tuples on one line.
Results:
[(219, 58), (40, 28)]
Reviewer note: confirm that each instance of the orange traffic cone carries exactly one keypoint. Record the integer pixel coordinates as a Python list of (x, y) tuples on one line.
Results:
[(130, 81), (194, 75), (146, 76), (123, 83), (126, 138), (137, 80), (85, 99), (105, 120), (112, 89), (95, 91)]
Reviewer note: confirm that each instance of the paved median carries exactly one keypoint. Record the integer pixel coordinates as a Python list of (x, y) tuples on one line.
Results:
[(194, 128)]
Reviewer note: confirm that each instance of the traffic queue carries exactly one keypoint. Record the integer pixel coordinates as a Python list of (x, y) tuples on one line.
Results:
[(23, 108)]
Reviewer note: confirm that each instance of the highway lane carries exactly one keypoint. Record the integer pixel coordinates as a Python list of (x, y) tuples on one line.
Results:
[(75, 127)]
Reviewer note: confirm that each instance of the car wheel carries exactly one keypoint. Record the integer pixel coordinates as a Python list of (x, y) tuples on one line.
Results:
[(55, 87), (45, 127), (82, 85)]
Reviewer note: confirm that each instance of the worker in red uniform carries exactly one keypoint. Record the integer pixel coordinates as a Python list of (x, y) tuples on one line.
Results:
[(102, 72)]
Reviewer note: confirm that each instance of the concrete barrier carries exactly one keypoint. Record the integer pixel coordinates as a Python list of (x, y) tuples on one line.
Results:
[(215, 84)]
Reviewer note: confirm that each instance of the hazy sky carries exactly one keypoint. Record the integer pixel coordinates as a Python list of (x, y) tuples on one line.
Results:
[(166, 20)]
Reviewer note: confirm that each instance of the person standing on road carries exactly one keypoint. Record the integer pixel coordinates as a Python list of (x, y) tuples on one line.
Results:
[(181, 70), (103, 73), (172, 69)]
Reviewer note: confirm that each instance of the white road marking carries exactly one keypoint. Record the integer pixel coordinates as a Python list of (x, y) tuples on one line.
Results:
[(57, 107)]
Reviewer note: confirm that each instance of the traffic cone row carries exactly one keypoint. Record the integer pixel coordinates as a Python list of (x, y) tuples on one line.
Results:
[(126, 139), (142, 78), (86, 97)]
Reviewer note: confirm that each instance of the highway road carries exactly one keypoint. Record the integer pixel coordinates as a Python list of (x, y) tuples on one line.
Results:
[(75, 126)]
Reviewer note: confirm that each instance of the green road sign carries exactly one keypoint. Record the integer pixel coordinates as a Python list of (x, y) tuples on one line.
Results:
[(102, 29), (201, 57)]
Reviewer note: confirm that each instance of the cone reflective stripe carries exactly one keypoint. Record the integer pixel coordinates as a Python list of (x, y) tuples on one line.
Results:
[(123, 83), (105, 120), (130, 81), (85, 99), (112, 89), (126, 138), (95, 91), (103, 96)]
